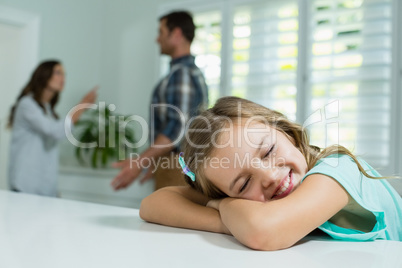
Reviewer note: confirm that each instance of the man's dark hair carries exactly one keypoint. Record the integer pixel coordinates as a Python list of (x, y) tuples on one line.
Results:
[(182, 20)]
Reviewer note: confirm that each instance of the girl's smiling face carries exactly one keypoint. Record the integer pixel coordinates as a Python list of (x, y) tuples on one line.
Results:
[(255, 162)]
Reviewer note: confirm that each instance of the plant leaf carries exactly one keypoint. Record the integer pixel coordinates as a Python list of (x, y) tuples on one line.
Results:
[(83, 122), (78, 155), (104, 157), (94, 158)]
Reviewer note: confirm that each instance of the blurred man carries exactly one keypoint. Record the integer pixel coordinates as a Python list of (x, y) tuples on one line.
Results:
[(176, 98)]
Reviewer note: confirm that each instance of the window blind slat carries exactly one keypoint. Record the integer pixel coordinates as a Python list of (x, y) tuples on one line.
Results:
[(264, 56), (350, 61), (206, 47)]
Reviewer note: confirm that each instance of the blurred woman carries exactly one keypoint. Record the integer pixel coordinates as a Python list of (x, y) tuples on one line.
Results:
[(37, 130)]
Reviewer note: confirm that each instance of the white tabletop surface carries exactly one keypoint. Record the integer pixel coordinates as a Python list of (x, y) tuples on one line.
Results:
[(47, 232)]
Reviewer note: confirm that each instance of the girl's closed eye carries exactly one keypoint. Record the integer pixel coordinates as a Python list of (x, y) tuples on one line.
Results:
[(244, 186), (269, 151)]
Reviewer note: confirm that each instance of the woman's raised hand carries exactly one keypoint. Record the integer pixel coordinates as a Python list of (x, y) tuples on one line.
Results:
[(90, 97)]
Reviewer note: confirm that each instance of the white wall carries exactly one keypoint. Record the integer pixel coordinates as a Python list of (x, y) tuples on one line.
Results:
[(109, 43), (100, 42), (10, 49), (19, 39)]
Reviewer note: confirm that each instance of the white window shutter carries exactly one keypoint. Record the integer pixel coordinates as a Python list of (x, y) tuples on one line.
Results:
[(263, 59), (206, 47), (350, 66)]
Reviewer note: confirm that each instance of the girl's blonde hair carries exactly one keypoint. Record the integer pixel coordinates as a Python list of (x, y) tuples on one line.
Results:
[(198, 147)]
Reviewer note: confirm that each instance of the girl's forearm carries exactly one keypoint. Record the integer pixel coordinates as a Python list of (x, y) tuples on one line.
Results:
[(243, 219), (174, 209)]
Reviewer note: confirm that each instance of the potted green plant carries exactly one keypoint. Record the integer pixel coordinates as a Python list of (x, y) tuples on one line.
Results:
[(104, 137)]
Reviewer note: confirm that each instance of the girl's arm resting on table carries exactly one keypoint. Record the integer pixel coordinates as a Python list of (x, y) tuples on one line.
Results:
[(281, 223), (181, 206)]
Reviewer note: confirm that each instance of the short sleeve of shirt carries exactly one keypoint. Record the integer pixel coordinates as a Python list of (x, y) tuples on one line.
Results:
[(375, 195)]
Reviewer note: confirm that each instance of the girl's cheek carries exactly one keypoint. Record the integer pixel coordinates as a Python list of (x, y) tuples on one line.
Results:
[(255, 194)]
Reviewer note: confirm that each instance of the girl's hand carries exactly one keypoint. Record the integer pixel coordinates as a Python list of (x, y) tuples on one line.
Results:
[(214, 203)]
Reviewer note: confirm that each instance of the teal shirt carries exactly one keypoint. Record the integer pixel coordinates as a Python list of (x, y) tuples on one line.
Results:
[(375, 195)]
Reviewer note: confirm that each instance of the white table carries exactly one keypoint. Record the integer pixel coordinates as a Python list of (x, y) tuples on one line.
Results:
[(45, 232)]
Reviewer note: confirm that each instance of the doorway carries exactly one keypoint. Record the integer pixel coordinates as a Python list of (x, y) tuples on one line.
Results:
[(19, 38)]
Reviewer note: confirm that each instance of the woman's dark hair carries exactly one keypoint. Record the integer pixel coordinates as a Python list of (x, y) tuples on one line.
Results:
[(182, 20), (36, 86)]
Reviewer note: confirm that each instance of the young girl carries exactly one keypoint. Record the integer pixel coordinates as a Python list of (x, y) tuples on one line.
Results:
[(253, 174), (37, 129)]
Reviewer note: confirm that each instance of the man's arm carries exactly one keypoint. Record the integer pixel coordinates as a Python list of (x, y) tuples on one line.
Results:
[(180, 96), (161, 146), (131, 168)]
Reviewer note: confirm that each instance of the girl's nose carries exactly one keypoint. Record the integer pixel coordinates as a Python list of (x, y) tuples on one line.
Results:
[(268, 176)]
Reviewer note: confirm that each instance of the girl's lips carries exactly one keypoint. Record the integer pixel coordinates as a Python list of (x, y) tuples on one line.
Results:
[(285, 187)]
